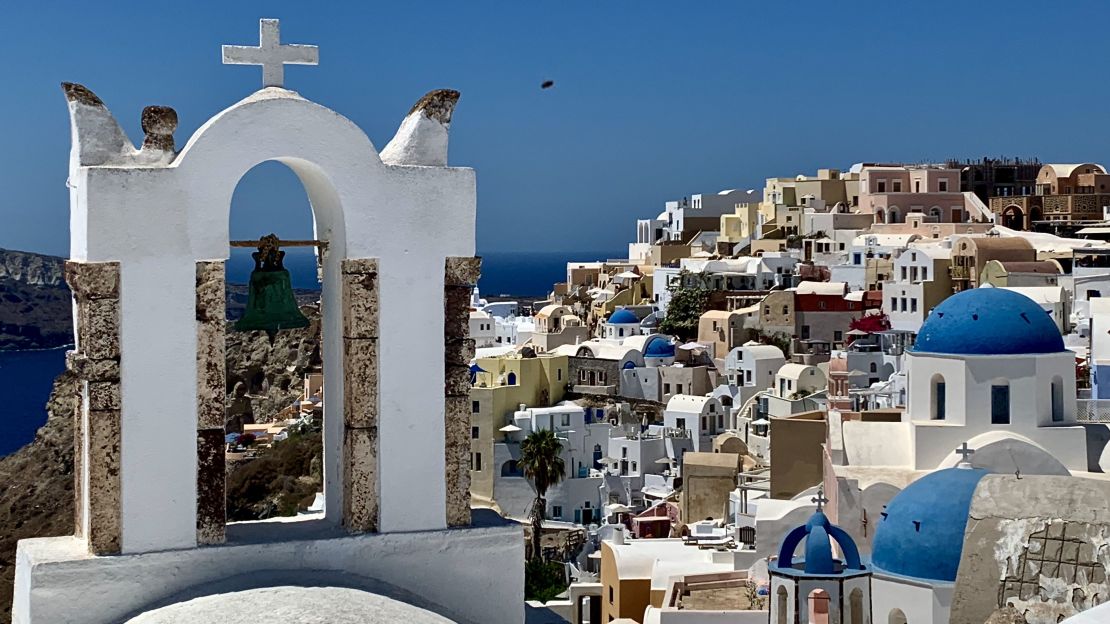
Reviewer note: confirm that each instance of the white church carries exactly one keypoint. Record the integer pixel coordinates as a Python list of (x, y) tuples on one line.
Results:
[(149, 237)]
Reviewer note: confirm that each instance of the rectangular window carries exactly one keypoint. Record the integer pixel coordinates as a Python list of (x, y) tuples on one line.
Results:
[(838, 335), (624, 451), (1000, 405), (557, 512), (943, 185), (882, 186), (476, 461), (924, 274), (610, 599), (894, 304), (904, 308), (896, 186), (680, 423), (913, 305), (633, 466), (786, 309), (474, 433), (940, 399), (678, 388), (903, 273), (559, 373), (666, 388), (566, 420), (475, 406)]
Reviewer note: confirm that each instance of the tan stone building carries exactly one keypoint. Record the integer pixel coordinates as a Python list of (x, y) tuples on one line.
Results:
[(797, 444), (707, 481), (1063, 193), (970, 255)]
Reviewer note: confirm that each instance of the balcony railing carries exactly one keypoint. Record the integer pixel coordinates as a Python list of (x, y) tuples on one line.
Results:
[(1092, 410)]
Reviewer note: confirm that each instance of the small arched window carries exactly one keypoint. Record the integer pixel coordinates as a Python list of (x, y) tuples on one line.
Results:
[(874, 367), (783, 602), (855, 603), (511, 379), (939, 397)]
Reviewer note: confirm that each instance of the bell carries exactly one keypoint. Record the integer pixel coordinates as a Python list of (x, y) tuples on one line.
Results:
[(271, 306)]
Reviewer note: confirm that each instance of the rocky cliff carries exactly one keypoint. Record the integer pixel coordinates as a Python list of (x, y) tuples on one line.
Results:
[(36, 487), (35, 309)]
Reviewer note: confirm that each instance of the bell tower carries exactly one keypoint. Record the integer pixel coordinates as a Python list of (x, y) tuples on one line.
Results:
[(149, 239)]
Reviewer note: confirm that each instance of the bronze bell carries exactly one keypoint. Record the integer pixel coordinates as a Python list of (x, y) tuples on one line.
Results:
[(271, 305)]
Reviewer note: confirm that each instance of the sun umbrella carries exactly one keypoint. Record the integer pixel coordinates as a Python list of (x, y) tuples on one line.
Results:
[(510, 428)]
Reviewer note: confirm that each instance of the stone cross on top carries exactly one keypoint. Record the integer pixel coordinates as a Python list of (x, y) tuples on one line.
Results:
[(820, 499), (271, 54), (965, 454)]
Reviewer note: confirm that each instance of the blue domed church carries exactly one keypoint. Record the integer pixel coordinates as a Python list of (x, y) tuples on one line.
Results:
[(819, 588)]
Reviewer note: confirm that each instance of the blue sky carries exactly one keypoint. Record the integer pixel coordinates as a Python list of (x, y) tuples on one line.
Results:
[(652, 100)]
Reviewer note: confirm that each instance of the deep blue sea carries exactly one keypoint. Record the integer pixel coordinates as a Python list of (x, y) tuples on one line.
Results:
[(521, 274), (26, 376), (25, 381)]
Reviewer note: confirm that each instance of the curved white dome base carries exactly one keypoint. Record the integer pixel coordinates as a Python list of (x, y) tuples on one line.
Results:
[(281, 605)]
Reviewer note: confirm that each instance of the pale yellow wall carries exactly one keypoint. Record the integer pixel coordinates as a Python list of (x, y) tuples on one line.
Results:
[(541, 382), (630, 597)]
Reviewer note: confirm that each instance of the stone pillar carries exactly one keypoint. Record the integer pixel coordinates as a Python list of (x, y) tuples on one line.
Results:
[(360, 395), (460, 276), (211, 396), (96, 363)]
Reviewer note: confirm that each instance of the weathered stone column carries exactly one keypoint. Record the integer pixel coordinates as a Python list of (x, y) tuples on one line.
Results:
[(211, 397), (360, 395), (460, 276), (96, 362)]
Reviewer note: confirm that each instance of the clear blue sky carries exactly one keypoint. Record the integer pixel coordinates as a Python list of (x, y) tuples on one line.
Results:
[(652, 100)]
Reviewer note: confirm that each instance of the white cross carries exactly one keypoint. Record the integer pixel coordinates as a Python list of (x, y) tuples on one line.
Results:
[(820, 498), (271, 54), (965, 453)]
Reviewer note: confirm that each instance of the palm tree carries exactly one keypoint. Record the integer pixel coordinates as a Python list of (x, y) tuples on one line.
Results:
[(542, 461)]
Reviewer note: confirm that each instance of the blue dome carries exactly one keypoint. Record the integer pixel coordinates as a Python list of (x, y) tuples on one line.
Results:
[(818, 534), (921, 533), (659, 347), (988, 321), (622, 317)]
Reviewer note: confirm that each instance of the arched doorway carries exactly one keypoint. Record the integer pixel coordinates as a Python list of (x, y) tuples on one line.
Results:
[(892, 215), (1013, 217), (782, 605), (818, 606), (880, 216), (896, 617)]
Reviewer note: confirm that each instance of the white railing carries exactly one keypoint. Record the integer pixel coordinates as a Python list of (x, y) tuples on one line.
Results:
[(1092, 410)]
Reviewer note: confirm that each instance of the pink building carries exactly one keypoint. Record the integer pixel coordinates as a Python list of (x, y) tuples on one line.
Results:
[(892, 192)]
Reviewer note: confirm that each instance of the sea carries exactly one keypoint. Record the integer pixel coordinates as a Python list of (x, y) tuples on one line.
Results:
[(517, 274), (26, 377)]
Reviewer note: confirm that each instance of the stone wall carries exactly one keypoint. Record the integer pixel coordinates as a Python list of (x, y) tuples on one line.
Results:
[(211, 382), (360, 395), (460, 276), (96, 365), (1040, 544)]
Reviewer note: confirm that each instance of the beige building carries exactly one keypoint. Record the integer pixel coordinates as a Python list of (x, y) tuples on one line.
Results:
[(707, 481), (797, 444), (970, 255), (1021, 274), (1063, 192), (723, 330), (500, 388), (557, 325)]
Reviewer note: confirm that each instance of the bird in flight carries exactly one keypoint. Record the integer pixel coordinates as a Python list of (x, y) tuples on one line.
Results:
[(547, 84)]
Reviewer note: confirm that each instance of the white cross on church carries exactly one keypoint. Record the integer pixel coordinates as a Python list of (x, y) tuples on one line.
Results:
[(271, 54), (965, 454)]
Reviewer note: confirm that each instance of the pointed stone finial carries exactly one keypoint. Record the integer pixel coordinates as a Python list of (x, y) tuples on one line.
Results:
[(97, 136), (423, 135), (159, 123)]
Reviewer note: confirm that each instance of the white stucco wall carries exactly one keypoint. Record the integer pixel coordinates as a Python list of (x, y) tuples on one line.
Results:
[(158, 221)]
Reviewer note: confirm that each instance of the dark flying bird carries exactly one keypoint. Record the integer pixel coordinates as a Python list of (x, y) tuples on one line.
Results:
[(547, 84)]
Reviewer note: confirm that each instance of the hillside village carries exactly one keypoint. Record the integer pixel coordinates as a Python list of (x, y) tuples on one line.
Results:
[(875, 395), (832, 348)]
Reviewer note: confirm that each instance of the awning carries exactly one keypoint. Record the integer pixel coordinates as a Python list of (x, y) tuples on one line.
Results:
[(510, 428), (690, 346)]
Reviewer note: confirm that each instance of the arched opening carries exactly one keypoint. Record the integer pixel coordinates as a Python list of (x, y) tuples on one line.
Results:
[(1013, 217), (938, 396), (880, 216), (896, 617), (855, 604), (510, 379), (782, 605), (892, 215), (511, 469), (934, 212), (274, 429), (818, 607), (1057, 399)]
